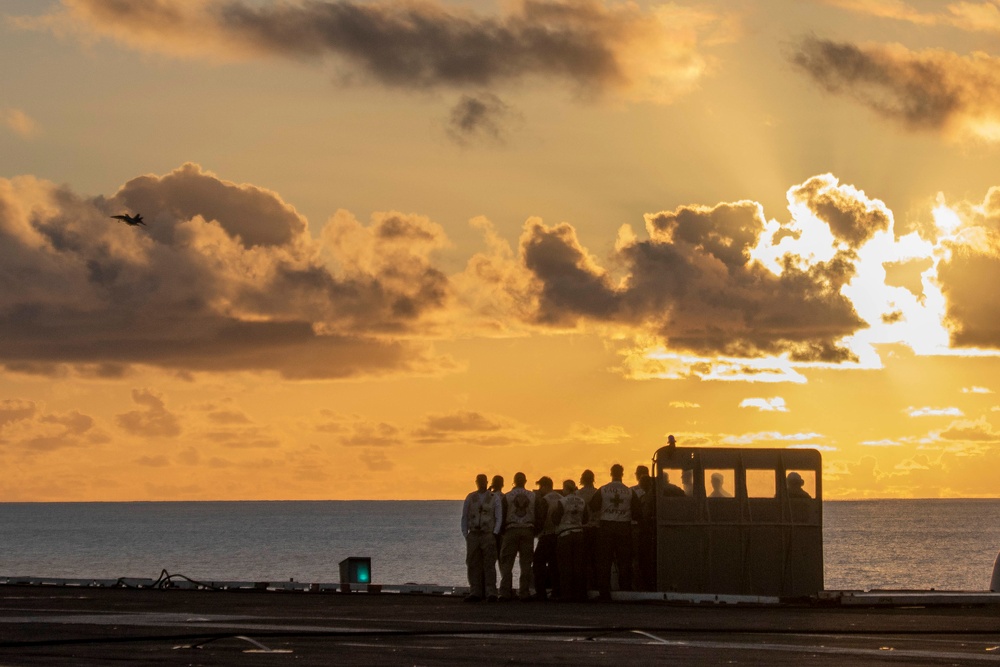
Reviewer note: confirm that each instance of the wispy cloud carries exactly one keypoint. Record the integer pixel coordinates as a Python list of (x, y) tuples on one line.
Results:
[(976, 390), (932, 412), (769, 436), (683, 405), (776, 404), (20, 123)]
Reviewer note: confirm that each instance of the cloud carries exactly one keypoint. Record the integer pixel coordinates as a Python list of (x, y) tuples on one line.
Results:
[(468, 427), (376, 460), (593, 46), (481, 118), (153, 421), (776, 404), (225, 277), (965, 15), (933, 412), (978, 431), (13, 410), (696, 284), (49, 432), (976, 390), (20, 123), (971, 259), (769, 436), (930, 90), (683, 405)]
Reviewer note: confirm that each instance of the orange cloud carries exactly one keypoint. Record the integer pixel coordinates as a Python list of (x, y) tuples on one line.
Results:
[(20, 123)]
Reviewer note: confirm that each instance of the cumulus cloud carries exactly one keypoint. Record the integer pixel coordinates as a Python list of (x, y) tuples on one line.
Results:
[(930, 90), (595, 47), (776, 404), (153, 420), (971, 259), (700, 282), (224, 277), (480, 118), (20, 123)]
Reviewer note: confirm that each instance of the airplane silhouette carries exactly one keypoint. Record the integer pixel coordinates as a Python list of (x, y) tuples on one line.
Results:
[(130, 220)]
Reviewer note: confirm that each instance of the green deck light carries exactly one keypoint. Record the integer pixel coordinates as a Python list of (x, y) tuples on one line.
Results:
[(356, 570)]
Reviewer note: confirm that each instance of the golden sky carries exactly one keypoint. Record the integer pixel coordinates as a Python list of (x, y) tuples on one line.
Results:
[(391, 245)]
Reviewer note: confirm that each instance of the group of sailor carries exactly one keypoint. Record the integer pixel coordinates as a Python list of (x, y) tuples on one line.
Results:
[(565, 541)]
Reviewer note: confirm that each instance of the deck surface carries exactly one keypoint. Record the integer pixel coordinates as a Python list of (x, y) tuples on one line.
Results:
[(47, 625)]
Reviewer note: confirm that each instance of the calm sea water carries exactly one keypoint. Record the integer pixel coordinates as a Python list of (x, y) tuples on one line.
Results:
[(943, 544)]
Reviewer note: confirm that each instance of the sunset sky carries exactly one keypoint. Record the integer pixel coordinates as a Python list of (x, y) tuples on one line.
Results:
[(393, 244)]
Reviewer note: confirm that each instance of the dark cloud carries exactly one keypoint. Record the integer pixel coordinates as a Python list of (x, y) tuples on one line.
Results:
[(694, 283), (851, 219), (481, 118), (226, 277), (932, 90), (153, 420), (596, 47)]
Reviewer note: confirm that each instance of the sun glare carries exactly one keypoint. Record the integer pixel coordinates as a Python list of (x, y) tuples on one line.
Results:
[(945, 219)]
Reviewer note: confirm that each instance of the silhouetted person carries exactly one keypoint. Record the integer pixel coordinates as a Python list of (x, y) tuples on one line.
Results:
[(641, 473), (616, 505), (671, 443), (587, 491), (717, 490), (794, 484), (496, 486), (570, 517), (481, 518), (670, 490), (687, 482), (544, 564), (518, 539), (646, 537)]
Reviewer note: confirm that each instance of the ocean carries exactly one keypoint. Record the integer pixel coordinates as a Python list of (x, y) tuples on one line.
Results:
[(894, 544)]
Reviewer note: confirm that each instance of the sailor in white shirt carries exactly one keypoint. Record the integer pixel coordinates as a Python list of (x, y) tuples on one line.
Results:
[(482, 515)]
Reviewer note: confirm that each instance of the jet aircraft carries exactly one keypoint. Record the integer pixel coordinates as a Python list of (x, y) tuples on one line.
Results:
[(130, 220)]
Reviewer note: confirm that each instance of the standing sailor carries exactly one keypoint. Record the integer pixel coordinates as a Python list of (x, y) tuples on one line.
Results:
[(545, 566), (482, 515), (518, 539), (570, 518), (616, 504)]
